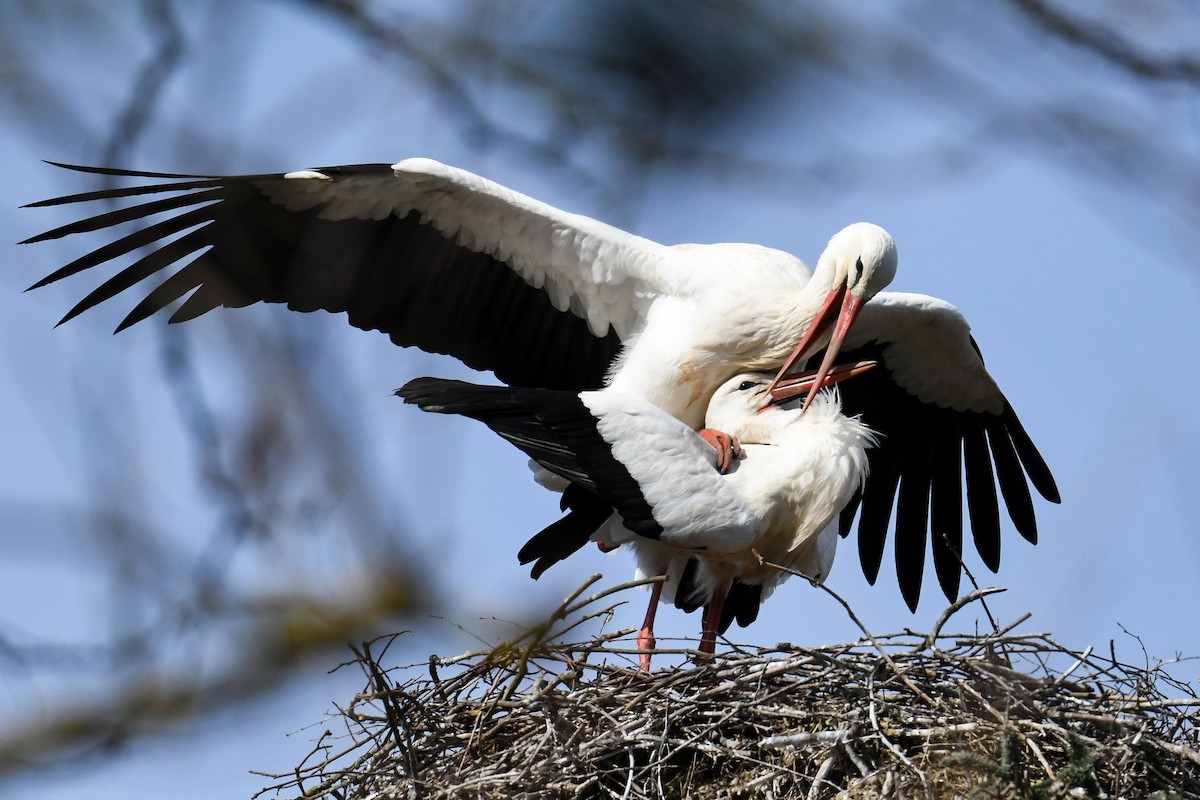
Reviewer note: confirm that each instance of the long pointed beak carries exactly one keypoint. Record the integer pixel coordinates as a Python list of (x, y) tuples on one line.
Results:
[(850, 309), (820, 323), (795, 385)]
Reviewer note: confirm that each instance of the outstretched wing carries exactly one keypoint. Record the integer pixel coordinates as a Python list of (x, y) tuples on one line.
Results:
[(431, 255), (940, 417)]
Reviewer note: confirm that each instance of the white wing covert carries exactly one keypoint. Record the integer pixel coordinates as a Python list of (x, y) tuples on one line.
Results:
[(696, 507)]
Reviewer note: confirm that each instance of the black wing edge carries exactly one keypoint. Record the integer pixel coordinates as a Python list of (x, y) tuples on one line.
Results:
[(173, 184), (926, 454)]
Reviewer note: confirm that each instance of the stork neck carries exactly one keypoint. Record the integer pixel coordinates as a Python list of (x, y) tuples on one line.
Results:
[(807, 307)]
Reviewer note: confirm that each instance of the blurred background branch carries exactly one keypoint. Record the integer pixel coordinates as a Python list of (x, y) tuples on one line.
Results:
[(1106, 41)]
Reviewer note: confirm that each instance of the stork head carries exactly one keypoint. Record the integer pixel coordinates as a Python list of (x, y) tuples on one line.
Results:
[(736, 400), (737, 404), (860, 257), (859, 261)]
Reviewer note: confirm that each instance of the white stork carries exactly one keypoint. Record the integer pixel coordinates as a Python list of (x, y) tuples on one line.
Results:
[(450, 262), (637, 475)]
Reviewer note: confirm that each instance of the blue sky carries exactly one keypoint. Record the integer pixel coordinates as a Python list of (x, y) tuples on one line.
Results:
[(1081, 291)]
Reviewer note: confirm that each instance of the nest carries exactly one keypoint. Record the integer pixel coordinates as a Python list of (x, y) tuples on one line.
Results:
[(906, 715)]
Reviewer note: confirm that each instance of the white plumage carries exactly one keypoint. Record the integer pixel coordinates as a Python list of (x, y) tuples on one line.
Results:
[(796, 472)]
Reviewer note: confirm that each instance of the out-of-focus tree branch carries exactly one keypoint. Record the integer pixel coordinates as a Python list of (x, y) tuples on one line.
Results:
[(273, 638), (173, 594), (163, 28), (1110, 45)]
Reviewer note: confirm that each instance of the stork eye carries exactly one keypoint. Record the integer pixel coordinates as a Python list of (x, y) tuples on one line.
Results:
[(744, 385), (858, 270)]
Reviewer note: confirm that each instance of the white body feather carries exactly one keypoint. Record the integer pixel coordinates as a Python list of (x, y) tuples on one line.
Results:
[(795, 474)]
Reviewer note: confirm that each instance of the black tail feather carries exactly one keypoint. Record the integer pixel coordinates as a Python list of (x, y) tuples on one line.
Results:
[(741, 603), (553, 427), (566, 536), (688, 596)]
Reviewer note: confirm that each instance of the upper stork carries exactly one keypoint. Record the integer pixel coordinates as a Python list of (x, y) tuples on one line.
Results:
[(453, 263)]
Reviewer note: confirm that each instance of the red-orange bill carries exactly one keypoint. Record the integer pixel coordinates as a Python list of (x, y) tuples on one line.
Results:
[(849, 312), (820, 323), (804, 383)]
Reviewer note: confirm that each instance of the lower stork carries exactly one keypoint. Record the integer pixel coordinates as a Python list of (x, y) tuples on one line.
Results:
[(639, 476)]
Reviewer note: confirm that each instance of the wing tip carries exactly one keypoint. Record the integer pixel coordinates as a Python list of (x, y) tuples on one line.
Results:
[(118, 172), (131, 319)]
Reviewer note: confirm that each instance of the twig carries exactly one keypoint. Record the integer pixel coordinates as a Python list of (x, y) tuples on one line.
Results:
[(953, 608), (883, 653)]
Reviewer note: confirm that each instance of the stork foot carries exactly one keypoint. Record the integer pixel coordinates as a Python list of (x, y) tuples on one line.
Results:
[(728, 448), (645, 643), (645, 640), (709, 625), (606, 547), (708, 645)]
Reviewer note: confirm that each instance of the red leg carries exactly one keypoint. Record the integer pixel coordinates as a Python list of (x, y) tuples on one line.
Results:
[(712, 620), (605, 547), (727, 447), (645, 638)]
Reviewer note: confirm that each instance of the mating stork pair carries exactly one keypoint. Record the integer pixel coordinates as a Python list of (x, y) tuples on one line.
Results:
[(621, 347)]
